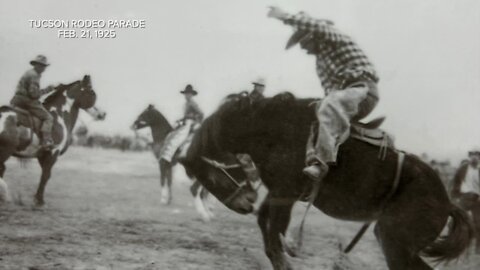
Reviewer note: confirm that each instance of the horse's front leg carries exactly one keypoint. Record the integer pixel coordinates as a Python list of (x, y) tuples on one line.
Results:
[(273, 219), (46, 160)]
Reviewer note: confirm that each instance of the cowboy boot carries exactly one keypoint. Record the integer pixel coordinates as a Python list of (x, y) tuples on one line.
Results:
[(316, 170)]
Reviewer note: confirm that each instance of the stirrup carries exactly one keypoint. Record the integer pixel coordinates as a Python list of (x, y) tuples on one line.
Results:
[(316, 171), (47, 144)]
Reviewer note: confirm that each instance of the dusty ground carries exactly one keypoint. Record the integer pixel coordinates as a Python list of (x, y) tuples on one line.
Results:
[(103, 212)]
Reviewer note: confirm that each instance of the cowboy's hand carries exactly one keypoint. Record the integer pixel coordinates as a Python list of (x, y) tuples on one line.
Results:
[(218, 164), (244, 159), (277, 13)]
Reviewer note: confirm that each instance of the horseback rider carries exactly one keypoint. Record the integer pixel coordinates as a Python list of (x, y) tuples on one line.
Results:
[(466, 189), (27, 96), (191, 120), (347, 77), (258, 89), (191, 110)]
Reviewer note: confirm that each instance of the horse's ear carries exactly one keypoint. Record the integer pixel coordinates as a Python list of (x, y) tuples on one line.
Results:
[(86, 77), (151, 107)]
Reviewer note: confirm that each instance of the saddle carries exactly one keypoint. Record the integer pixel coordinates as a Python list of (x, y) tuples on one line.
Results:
[(24, 117), (371, 133)]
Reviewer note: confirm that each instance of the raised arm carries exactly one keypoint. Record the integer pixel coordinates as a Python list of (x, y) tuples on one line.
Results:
[(322, 28), (47, 90)]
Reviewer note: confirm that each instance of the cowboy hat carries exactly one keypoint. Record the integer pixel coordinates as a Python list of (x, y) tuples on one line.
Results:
[(40, 60), (259, 81), (189, 90)]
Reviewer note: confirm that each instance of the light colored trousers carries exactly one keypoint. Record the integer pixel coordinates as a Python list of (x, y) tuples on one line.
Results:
[(334, 114), (175, 139)]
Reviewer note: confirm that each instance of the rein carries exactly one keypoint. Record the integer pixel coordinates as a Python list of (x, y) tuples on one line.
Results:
[(223, 167)]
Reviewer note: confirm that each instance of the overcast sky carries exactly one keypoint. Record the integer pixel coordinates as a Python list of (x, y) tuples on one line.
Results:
[(427, 54)]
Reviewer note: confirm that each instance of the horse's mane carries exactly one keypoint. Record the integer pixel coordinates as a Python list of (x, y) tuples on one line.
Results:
[(210, 135), (58, 91), (159, 117)]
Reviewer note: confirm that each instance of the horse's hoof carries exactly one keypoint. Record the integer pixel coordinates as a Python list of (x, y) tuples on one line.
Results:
[(206, 219), (39, 202), (342, 262), (291, 249)]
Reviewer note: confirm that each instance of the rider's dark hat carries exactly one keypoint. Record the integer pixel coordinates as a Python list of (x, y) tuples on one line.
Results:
[(189, 90)]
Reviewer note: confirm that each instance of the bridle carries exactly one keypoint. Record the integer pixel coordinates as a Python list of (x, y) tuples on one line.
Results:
[(223, 168)]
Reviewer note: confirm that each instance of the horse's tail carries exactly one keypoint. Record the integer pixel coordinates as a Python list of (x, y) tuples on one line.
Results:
[(452, 245)]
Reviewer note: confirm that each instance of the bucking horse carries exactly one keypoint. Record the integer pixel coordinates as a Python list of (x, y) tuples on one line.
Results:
[(20, 131), (398, 191)]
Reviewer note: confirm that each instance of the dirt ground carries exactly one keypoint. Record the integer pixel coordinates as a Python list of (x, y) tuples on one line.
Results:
[(103, 211)]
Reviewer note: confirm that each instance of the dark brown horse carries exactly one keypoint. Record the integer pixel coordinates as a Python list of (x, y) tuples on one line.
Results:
[(274, 133), (160, 128), (19, 132)]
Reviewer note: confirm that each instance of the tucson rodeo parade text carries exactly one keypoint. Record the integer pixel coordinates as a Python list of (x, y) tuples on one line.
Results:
[(87, 28)]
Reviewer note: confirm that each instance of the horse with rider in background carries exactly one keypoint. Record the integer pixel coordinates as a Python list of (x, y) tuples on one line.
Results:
[(168, 145), (21, 133)]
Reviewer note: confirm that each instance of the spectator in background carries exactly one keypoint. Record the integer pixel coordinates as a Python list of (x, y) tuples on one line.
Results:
[(466, 190), (258, 89)]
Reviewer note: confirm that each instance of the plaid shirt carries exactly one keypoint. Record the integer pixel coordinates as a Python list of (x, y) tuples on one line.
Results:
[(340, 61)]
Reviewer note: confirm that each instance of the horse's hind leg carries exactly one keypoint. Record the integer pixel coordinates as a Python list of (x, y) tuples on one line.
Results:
[(398, 256)]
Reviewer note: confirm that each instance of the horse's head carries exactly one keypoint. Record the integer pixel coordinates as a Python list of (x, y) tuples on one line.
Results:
[(225, 179), (82, 93), (78, 94), (215, 165), (146, 118), (85, 97)]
